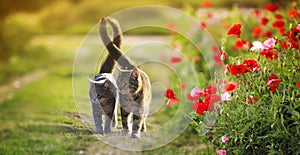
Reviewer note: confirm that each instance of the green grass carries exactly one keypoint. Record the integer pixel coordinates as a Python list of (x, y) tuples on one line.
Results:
[(41, 117)]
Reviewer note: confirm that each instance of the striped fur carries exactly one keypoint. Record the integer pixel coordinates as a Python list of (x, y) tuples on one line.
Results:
[(103, 93), (134, 87)]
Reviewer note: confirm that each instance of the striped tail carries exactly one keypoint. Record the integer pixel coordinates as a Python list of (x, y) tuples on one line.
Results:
[(114, 47), (109, 64)]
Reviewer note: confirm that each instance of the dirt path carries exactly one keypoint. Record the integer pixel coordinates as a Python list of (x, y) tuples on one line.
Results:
[(8, 90)]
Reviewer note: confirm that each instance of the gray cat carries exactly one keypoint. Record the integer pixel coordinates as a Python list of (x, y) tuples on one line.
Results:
[(134, 88), (103, 93)]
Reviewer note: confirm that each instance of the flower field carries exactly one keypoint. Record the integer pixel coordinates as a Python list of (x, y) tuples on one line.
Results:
[(253, 105)]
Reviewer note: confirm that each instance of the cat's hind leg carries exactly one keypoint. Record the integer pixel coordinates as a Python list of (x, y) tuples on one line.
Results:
[(144, 128)]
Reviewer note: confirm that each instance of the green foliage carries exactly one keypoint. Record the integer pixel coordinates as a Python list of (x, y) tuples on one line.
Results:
[(15, 36), (270, 125)]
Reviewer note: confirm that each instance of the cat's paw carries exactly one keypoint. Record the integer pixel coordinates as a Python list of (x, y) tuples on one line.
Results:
[(98, 132), (135, 135), (126, 132), (107, 131)]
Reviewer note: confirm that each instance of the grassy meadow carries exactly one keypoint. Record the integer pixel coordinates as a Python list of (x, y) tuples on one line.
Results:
[(42, 118), (46, 56)]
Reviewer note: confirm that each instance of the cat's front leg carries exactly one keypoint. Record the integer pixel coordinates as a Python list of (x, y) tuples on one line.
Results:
[(98, 121), (137, 125), (125, 120), (138, 120), (108, 122), (109, 116)]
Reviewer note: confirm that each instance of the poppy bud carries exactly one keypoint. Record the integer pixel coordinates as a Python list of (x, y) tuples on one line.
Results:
[(222, 56), (291, 26)]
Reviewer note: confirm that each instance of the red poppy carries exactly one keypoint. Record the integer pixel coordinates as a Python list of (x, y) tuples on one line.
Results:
[(278, 24), (208, 104), (215, 48), (203, 25), (293, 33), (219, 57), (281, 30), (209, 14), (278, 16), (267, 34), (269, 54), (256, 31), (284, 45), (256, 13), (231, 86), (207, 4), (175, 59), (251, 65), (251, 99), (239, 44), (197, 58), (264, 20), (182, 86), (271, 8), (210, 100), (191, 98), (171, 26), (210, 89), (273, 82), (298, 84), (200, 107), (169, 93), (225, 25), (293, 44), (293, 13), (235, 29), (238, 69), (222, 82)]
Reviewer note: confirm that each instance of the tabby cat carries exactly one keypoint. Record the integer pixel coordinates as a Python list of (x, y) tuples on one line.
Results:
[(103, 93), (134, 88)]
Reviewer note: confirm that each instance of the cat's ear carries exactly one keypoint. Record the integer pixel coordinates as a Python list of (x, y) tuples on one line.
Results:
[(107, 84), (135, 73)]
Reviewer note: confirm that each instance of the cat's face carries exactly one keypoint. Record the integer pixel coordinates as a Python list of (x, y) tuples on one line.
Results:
[(128, 81)]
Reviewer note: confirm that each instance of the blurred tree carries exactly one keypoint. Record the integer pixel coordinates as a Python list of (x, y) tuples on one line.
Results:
[(12, 6), (15, 33)]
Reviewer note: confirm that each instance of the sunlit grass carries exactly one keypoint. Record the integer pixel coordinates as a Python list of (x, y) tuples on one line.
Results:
[(41, 118)]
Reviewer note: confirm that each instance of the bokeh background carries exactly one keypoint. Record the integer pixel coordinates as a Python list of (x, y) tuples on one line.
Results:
[(38, 43)]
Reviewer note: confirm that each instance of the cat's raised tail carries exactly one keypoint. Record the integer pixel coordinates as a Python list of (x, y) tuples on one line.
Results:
[(113, 46), (109, 63)]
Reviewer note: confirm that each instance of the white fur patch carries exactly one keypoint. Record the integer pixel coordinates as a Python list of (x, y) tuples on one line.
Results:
[(99, 82), (107, 76)]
